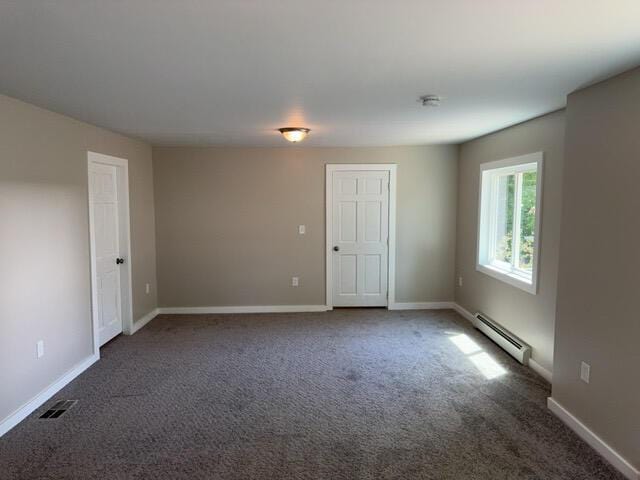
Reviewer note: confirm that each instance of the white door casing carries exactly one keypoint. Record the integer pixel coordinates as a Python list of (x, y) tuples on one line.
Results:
[(110, 244), (359, 234)]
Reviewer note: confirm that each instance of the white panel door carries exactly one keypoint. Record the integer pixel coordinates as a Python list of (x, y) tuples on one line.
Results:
[(360, 226), (103, 196)]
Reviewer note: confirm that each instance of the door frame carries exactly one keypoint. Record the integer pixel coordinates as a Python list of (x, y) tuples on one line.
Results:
[(391, 262), (126, 295)]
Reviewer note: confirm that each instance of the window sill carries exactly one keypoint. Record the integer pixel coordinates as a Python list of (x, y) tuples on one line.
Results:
[(512, 279)]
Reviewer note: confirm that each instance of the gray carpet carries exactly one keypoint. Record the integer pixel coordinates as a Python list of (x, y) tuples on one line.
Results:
[(348, 394)]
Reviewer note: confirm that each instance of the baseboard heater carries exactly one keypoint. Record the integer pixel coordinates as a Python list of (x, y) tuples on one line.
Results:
[(504, 338)]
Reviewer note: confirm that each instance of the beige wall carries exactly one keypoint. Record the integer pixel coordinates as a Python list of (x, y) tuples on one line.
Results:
[(531, 317), (44, 240), (227, 222), (597, 317)]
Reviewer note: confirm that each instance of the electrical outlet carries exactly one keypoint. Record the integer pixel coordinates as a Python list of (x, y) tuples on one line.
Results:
[(40, 348), (302, 229), (295, 281), (585, 372), (460, 280), (147, 288)]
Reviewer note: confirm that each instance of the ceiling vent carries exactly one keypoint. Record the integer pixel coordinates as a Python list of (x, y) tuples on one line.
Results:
[(431, 100)]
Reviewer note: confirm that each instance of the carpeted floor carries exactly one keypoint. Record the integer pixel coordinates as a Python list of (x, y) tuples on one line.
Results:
[(348, 394)]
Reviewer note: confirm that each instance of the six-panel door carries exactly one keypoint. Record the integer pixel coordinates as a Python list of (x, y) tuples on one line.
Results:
[(360, 226), (103, 194)]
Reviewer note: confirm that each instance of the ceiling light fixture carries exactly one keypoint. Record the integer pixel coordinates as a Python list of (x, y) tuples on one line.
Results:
[(294, 134), (430, 100)]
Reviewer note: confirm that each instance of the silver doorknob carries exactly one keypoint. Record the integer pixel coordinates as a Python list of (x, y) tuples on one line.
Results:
[(336, 248)]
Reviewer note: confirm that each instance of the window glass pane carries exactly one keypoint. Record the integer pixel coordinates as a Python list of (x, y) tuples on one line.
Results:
[(527, 220), (504, 218)]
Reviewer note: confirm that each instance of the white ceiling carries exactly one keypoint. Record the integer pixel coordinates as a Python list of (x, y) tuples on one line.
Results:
[(229, 72)]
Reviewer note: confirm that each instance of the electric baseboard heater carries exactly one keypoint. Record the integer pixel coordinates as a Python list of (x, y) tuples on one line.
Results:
[(503, 337)]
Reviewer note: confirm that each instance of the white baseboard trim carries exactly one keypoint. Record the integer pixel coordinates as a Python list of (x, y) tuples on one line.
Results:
[(420, 305), (535, 366), (599, 445), (464, 313), (141, 322), (288, 308), (24, 411), (540, 370), (245, 309)]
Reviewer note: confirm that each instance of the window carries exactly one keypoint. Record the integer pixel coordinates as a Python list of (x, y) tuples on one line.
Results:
[(508, 228)]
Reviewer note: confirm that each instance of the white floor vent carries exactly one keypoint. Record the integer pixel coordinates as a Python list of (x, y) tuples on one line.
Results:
[(507, 340)]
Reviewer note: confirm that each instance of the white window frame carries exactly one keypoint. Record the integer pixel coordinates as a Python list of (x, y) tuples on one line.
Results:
[(506, 272)]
